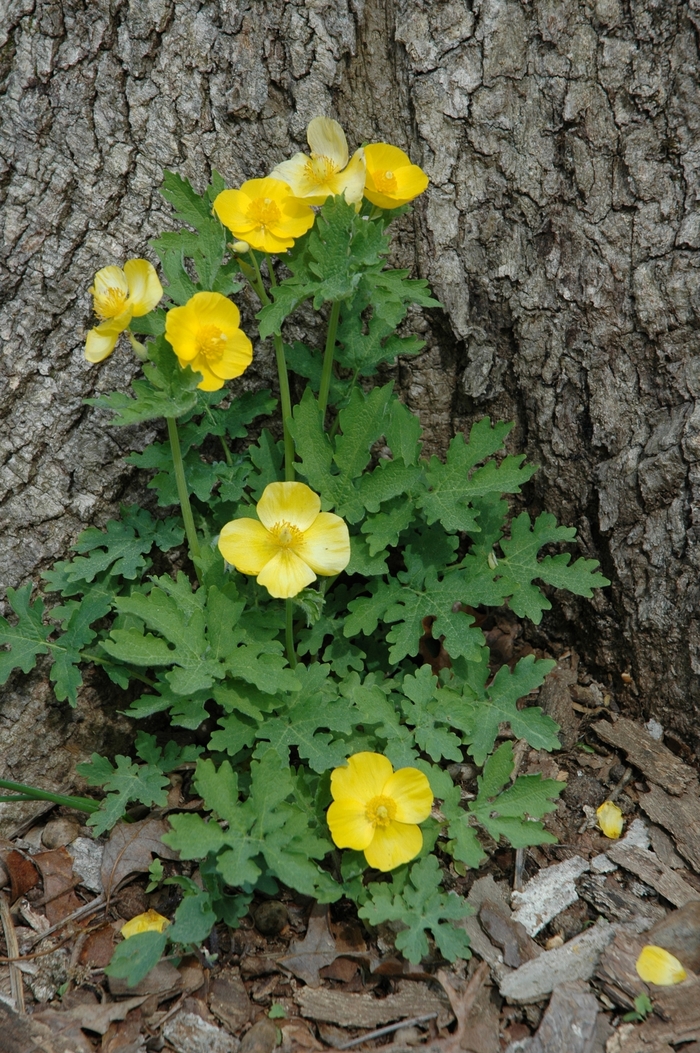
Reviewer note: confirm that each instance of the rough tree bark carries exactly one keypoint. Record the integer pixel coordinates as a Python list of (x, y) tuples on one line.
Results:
[(559, 231)]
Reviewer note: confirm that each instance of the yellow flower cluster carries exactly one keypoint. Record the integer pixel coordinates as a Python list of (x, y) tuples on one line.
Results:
[(265, 214), (269, 214)]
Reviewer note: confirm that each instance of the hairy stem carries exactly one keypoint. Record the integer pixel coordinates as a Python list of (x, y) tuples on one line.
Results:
[(183, 494), (291, 652), (327, 372), (31, 793), (286, 405)]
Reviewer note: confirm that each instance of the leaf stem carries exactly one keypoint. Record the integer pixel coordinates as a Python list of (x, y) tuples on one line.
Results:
[(327, 371), (286, 406), (282, 374), (183, 494), (291, 652), (31, 793)]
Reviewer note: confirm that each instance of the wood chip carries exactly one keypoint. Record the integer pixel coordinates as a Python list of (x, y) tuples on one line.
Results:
[(680, 816), (647, 866), (364, 1010), (652, 758)]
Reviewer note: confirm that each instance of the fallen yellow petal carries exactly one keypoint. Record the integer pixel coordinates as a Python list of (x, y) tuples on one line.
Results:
[(655, 965), (610, 819), (151, 921)]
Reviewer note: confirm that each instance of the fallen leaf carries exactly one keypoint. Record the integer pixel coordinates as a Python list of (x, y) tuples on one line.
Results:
[(164, 980), (99, 1017), (98, 947), (130, 850), (262, 1037), (23, 873), (316, 950), (60, 898), (229, 1002)]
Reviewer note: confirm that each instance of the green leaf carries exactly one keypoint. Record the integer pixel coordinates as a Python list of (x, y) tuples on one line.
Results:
[(422, 908), (499, 705), (452, 487), (520, 566), (511, 813), (124, 783), (194, 919), (27, 639), (134, 958), (422, 710), (167, 391)]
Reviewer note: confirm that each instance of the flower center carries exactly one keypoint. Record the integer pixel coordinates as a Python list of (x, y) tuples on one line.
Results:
[(286, 535), (211, 342), (110, 303), (380, 811), (265, 211), (319, 169), (385, 182)]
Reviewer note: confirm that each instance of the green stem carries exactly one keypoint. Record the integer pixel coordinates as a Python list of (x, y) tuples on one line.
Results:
[(291, 653), (271, 272), (327, 372), (31, 793), (285, 395), (104, 662), (183, 494), (258, 283), (286, 403)]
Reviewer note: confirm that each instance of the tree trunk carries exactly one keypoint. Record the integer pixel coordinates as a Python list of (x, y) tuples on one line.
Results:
[(558, 231)]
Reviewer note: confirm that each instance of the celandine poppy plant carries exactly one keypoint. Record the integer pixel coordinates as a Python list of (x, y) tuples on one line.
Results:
[(391, 179), (264, 214), (327, 172), (205, 335), (118, 296)]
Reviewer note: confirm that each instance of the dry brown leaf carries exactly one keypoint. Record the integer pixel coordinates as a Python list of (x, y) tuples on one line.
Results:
[(59, 880), (98, 947), (98, 1017), (23, 873), (316, 950), (130, 850)]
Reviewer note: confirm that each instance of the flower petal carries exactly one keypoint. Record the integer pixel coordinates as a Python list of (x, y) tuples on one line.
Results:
[(109, 279), (285, 575), (326, 137), (247, 545), (382, 157), (351, 182), (145, 290), (231, 206), (410, 791), (235, 358), (151, 921), (349, 825), (299, 175), (102, 340), (293, 503), (326, 544), (364, 777), (393, 845), (610, 819), (656, 965)]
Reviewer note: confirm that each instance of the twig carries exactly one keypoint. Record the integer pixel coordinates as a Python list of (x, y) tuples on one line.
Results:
[(16, 985), (81, 912), (387, 1030), (462, 1002), (619, 787), (519, 869)]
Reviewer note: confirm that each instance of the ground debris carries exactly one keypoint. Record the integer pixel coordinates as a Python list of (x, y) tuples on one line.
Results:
[(316, 950), (651, 757), (547, 894), (364, 1010), (680, 816), (189, 1033), (576, 960), (569, 1025), (130, 850), (647, 866)]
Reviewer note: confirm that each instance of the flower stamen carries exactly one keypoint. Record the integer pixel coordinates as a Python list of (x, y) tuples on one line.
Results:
[(380, 811)]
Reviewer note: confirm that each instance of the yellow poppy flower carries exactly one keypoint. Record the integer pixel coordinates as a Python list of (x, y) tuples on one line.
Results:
[(610, 819), (265, 214), (205, 335), (151, 921), (327, 171), (391, 178), (655, 965), (290, 544), (118, 296), (375, 809)]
